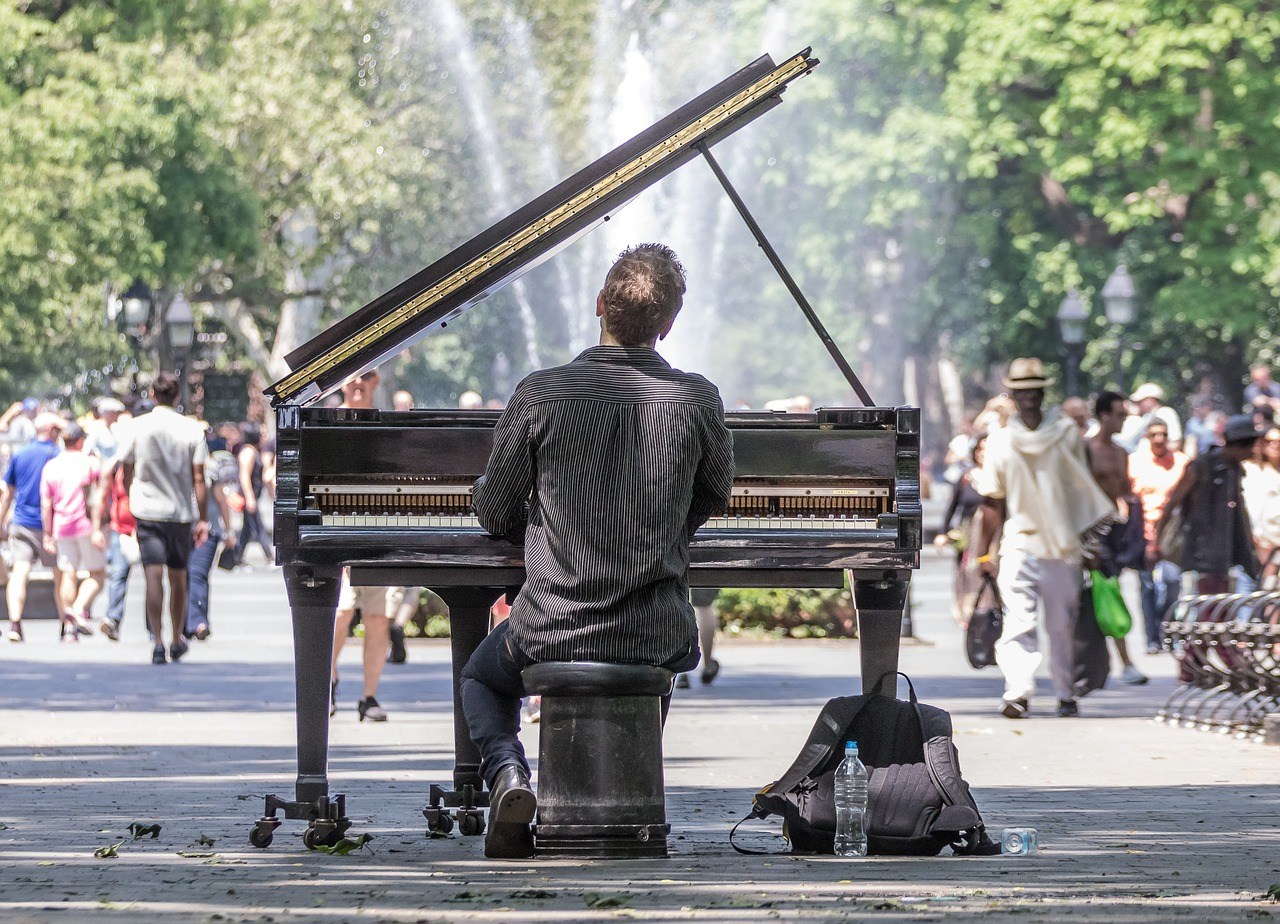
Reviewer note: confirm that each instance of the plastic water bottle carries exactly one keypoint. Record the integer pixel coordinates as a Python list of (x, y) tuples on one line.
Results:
[(851, 804)]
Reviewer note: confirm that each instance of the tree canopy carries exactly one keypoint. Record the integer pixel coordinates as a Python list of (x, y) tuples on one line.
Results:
[(943, 179)]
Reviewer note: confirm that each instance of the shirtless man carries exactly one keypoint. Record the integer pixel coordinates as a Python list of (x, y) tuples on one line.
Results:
[(1110, 466)]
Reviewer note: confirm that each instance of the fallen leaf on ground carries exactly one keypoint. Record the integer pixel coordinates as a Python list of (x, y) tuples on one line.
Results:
[(195, 854), (1273, 892), (532, 893), (46, 863), (205, 841), (138, 829), (108, 853), (605, 901), (344, 846)]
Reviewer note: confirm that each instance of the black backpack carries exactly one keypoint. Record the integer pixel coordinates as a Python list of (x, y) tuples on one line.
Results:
[(918, 802)]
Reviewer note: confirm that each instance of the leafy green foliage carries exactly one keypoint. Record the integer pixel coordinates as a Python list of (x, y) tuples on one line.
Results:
[(788, 613), (345, 846), (936, 186)]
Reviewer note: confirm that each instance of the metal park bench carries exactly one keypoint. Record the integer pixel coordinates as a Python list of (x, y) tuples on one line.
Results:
[(1229, 664)]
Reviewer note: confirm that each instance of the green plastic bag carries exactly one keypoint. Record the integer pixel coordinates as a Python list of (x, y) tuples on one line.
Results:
[(1108, 605)]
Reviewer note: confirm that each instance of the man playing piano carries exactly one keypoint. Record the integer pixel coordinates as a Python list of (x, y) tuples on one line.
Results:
[(603, 468)]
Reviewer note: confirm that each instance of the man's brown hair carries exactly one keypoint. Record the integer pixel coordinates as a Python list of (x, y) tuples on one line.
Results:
[(643, 291), (164, 387)]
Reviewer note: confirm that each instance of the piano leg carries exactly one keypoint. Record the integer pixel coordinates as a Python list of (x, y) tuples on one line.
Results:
[(880, 598), (313, 597), (468, 625)]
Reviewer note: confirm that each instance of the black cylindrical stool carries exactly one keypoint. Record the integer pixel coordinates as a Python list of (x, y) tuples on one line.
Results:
[(600, 791)]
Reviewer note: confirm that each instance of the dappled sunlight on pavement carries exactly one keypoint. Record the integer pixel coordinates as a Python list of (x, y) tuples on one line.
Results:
[(1137, 821)]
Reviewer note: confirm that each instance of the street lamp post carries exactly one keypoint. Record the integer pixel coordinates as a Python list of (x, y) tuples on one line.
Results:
[(180, 330), (131, 312), (1120, 301), (1071, 327)]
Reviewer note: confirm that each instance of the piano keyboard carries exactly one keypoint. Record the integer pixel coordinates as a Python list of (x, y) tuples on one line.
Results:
[(469, 522)]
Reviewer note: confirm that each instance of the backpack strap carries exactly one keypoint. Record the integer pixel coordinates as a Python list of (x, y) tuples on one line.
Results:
[(943, 763), (836, 717), (756, 812)]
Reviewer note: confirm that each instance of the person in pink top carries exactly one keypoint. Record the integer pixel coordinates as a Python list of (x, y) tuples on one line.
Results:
[(65, 485), (1154, 468)]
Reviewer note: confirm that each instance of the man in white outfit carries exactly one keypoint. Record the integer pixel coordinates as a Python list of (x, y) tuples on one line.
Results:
[(1039, 495)]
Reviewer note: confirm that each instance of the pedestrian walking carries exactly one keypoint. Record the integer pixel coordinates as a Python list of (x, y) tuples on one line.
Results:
[(20, 494), (703, 600), (1040, 498), (220, 478), (1262, 501), (1125, 546), (115, 520), (1155, 469), (164, 454), (1216, 529), (375, 604), (958, 532), (1149, 398), (66, 484), (251, 486)]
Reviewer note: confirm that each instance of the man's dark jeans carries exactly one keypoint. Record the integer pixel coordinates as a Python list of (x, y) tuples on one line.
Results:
[(1161, 587), (491, 692)]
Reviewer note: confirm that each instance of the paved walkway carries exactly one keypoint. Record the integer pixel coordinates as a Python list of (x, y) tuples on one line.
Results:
[(1137, 821)]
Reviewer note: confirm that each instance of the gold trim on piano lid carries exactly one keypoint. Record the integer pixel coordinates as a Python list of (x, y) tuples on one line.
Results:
[(296, 381)]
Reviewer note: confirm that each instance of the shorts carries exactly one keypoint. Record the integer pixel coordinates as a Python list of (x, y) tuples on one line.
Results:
[(703, 596), (164, 543), (370, 601), (78, 553), (27, 545)]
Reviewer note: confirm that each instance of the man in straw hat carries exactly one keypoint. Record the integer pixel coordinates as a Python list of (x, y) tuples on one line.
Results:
[(1040, 497)]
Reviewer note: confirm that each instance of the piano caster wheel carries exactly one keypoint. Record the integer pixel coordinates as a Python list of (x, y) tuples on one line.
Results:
[(261, 834), (438, 822), (321, 834), (471, 822)]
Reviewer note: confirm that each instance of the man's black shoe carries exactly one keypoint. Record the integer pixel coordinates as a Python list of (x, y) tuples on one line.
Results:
[(157, 655), (178, 649), (1068, 709), (398, 654), (512, 806), (709, 670)]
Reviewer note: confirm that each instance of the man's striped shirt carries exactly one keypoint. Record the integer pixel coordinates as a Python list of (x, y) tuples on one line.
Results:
[(605, 467)]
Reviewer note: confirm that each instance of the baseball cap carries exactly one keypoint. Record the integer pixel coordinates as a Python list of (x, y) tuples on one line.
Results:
[(1148, 390), (47, 420), (110, 405), (29, 405)]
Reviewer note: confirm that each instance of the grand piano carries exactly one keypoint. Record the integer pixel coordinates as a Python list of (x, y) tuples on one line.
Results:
[(387, 494)]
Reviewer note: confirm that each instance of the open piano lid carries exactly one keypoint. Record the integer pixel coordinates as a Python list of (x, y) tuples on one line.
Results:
[(532, 234)]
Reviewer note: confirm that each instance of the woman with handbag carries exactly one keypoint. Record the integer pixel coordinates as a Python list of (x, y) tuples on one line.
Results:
[(957, 532), (202, 556)]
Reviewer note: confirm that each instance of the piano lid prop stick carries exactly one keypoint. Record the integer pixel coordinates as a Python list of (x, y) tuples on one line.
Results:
[(850, 376)]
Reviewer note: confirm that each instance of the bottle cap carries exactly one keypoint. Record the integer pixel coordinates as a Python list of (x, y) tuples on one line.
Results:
[(851, 745)]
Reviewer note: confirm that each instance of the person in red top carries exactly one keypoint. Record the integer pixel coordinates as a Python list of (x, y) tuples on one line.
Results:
[(121, 543), (1154, 468)]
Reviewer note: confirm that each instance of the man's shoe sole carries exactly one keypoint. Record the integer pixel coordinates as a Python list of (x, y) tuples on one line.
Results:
[(517, 806), (508, 841)]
